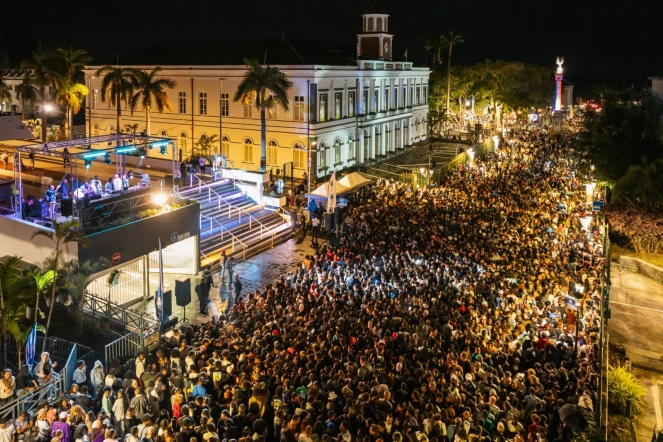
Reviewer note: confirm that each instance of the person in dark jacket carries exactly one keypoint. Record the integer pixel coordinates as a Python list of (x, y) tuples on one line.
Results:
[(237, 285)]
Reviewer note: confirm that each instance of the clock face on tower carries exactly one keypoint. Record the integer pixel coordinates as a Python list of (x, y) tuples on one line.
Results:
[(386, 47)]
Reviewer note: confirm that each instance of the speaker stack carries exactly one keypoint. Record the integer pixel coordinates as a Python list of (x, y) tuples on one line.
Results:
[(183, 293)]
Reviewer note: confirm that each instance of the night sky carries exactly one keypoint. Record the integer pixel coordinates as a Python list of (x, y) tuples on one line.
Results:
[(602, 43)]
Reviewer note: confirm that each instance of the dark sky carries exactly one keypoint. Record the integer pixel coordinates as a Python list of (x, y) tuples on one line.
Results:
[(602, 42)]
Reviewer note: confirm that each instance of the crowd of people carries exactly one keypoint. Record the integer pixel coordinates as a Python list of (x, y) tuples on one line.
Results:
[(440, 315)]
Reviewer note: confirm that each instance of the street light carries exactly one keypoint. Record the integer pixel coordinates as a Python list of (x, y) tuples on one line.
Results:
[(48, 108)]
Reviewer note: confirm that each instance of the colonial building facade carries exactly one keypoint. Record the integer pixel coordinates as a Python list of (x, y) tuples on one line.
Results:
[(343, 110)]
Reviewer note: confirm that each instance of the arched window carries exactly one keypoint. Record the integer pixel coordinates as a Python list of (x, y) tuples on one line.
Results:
[(95, 130), (111, 129), (322, 155), (379, 24), (272, 153), (183, 143), (299, 156), (163, 133), (248, 150), (352, 148), (370, 23), (337, 151), (225, 146)]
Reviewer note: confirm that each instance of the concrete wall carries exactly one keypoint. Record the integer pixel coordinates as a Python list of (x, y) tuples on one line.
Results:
[(16, 239), (638, 265)]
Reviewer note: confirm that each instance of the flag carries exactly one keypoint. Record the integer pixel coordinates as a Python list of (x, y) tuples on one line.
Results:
[(331, 193), (30, 346), (405, 55)]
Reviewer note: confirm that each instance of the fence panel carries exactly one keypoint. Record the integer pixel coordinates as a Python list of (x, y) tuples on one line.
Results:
[(124, 348)]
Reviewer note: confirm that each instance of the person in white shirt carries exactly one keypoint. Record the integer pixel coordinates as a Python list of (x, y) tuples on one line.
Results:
[(79, 376), (44, 367), (7, 430), (117, 183), (145, 180), (140, 365), (97, 187)]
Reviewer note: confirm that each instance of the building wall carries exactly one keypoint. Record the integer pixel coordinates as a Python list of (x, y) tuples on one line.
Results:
[(17, 240), (657, 86), (287, 131)]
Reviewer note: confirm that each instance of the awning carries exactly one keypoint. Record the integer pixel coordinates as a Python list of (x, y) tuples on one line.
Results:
[(354, 181), (12, 128)]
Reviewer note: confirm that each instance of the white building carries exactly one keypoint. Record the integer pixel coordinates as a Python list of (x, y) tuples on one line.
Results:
[(13, 78), (347, 110), (657, 86)]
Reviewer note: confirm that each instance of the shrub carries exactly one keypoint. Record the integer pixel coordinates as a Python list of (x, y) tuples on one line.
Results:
[(624, 389)]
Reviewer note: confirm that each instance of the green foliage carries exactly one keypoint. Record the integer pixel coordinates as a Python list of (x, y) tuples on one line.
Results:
[(624, 389), (642, 184), (208, 144), (627, 129)]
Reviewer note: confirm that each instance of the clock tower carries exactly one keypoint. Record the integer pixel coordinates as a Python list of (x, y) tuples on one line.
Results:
[(375, 42)]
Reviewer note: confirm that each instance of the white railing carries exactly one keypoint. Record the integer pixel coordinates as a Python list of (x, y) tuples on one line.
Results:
[(46, 393), (223, 232), (124, 348)]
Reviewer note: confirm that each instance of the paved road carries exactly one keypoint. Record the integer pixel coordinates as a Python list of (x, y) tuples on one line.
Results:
[(637, 308)]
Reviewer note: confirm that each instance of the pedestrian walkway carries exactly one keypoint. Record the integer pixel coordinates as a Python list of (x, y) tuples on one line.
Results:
[(255, 273)]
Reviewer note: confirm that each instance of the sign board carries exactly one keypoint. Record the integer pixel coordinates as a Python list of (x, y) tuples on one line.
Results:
[(597, 206), (116, 257), (341, 202)]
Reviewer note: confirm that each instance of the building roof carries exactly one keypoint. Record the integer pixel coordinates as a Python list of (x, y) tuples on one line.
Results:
[(277, 51)]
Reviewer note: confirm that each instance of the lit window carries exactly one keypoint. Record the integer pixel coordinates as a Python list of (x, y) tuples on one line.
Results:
[(299, 108), (352, 148), (182, 97), (299, 156), (271, 112), (248, 109), (337, 151), (202, 103), (272, 152), (182, 142), (248, 151), (338, 105), (365, 101), (376, 98), (225, 105), (322, 108), (225, 147), (417, 96), (322, 155)]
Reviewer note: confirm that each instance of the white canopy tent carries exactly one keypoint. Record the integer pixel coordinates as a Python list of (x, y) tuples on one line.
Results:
[(353, 181)]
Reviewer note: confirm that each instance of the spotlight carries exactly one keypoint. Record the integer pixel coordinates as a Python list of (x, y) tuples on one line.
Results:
[(88, 147), (88, 163), (163, 149), (159, 198), (107, 158), (142, 152)]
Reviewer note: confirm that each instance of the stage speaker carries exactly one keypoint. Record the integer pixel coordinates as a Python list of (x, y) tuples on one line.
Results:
[(167, 303), (183, 291), (35, 210), (66, 207), (340, 213)]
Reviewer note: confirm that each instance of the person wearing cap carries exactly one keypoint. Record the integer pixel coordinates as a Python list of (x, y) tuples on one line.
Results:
[(62, 425)]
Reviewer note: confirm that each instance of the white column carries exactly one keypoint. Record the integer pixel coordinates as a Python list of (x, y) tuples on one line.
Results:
[(360, 141), (410, 127), (392, 84), (407, 93), (383, 136), (392, 140), (401, 135), (371, 143), (371, 94)]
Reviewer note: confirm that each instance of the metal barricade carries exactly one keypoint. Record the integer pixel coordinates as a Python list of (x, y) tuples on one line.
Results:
[(124, 348)]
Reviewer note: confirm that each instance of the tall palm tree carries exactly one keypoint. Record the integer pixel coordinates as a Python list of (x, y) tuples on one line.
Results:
[(64, 233), (79, 277), (9, 273), (41, 64), (72, 63), (151, 93), (449, 41), (117, 85), (27, 91), (70, 95), (429, 45), (41, 280), (268, 87)]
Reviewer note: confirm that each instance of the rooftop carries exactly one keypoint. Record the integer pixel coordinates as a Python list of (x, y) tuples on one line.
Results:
[(233, 51)]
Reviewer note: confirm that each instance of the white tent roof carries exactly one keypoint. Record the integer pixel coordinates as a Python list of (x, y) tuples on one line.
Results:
[(354, 181), (12, 128), (323, 190)]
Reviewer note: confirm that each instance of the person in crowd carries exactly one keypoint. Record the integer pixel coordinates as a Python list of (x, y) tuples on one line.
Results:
[(50, 196), (7, 386), (117, 183), (109, 187), (144, 180), (97, 186), (97, 377), (5, 159), (80, 376), (43, 368)]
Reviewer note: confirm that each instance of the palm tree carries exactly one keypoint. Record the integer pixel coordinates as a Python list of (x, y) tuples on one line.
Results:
[(118, 86), (72, 63), (268, 87), (26, 91), (63, 234), (151, 93), (642, 183), (429, 46), (5, 95), (79, 277), (41, 280), (9, 273), (70, 95), (449, 41), (41, 64)]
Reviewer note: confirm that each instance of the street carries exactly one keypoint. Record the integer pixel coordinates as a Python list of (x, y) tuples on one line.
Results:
[(637, 305)]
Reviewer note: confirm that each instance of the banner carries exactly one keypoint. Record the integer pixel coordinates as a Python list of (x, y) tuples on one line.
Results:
[(30, 346), (331, 193)]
